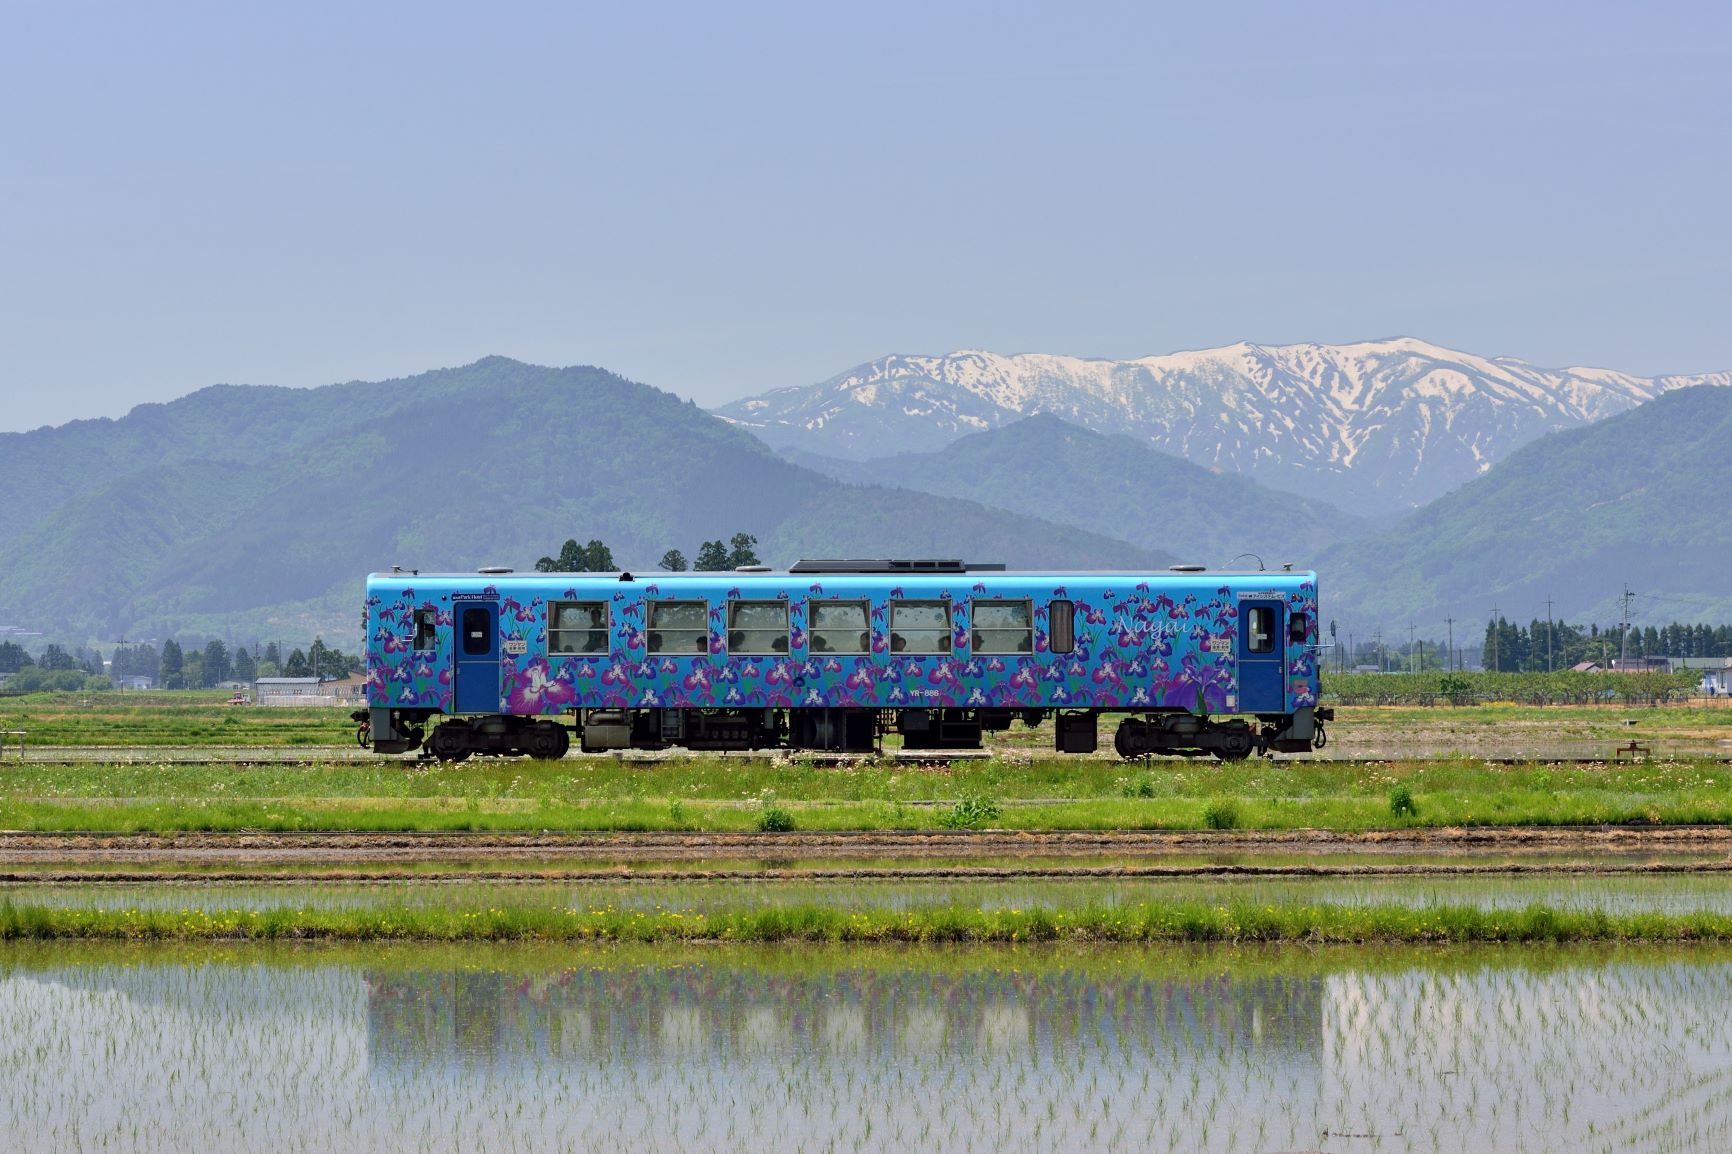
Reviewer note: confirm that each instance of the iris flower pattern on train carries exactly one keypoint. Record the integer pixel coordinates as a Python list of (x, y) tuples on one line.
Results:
[(1137, 647)]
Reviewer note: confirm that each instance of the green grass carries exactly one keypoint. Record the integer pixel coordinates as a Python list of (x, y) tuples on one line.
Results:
[(177, 718), (1186, 922), (730, 795)]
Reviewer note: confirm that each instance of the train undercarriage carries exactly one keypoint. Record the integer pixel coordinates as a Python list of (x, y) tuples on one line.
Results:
[(830, 730)]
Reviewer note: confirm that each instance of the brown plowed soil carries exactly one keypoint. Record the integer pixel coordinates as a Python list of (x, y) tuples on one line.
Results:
[(339, 849)]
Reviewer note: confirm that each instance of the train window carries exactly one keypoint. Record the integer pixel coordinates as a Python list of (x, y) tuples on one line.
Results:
[(1260, 629), (1061, 626), (839, 626), (1298, 628), (475, 643), (679, 627), (757, 627), (426, 621), (920, 627), (575, 628), (1003, 626)]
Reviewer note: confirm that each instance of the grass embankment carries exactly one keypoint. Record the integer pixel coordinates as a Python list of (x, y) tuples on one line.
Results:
[(1143, 923), (733, 795), (169, 718)]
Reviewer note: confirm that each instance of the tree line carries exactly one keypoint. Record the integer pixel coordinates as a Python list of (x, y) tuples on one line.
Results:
[(1549, 645), (713, 557), (170, 667)]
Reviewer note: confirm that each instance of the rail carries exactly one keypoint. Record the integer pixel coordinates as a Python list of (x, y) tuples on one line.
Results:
[(20, 734)]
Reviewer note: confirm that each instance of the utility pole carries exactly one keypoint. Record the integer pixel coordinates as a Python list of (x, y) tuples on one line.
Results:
[(1496, 640), (1624, 630), (1379, 638), (1549, 668), (1449, 662), (1411, 668)]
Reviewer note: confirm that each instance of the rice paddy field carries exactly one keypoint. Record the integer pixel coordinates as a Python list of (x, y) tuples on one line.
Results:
[(1473, 930), (529, 1048)]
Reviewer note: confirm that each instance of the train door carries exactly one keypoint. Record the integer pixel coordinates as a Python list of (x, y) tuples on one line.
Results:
[(1261, 686), (477, 657)]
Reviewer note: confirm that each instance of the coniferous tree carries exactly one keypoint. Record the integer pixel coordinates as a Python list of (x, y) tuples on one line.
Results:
[(245, 668), (216, 663), (14, 657), (172, 665), (712, 557), (297, 665), (673, 561), (54, 657)]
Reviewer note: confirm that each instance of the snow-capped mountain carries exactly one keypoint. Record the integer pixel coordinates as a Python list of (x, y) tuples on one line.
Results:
[(1377, 426)]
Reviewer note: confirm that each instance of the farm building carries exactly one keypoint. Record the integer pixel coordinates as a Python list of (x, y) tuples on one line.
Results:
[(291, 691), (1716, 672)]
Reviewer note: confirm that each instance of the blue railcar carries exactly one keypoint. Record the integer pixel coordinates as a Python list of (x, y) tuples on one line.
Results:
[(830, 655)]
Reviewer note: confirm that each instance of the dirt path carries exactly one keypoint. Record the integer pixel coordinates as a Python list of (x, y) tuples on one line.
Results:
[(240, 850)]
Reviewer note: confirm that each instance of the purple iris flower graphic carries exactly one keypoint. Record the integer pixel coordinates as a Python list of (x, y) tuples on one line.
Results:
[(538, 689)]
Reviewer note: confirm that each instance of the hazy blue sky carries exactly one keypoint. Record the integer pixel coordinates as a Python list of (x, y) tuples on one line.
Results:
[(720, 199)]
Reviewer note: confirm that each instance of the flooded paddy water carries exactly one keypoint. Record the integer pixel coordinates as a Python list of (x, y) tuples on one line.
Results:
[(532, 1048)]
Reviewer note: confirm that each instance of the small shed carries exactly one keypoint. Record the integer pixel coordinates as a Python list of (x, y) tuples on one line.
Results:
[(291, 691)]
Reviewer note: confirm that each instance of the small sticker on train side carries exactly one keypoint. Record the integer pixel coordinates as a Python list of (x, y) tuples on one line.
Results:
[(517, 646), (1265, 595), (1220, 645)]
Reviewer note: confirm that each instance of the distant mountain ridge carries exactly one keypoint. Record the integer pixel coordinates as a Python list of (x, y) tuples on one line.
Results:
[(1373, 427), (255, 513), (1571, 518), (1118, 486)]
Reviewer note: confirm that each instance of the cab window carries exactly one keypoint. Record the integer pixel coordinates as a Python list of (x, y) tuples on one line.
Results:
[(426, 629)]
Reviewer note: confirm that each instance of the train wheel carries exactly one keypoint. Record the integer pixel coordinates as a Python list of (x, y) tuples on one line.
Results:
[(1235, 744), (547, 741), (450, 741)]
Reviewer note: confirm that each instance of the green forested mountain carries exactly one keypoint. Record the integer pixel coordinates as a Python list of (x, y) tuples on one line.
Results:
[(1573, 517), (255, 512), (1118, 486)]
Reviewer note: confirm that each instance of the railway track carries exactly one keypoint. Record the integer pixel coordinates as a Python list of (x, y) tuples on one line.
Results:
[(123, 755)]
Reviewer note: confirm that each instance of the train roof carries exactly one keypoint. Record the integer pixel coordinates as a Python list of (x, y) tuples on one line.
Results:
[(762, 572)]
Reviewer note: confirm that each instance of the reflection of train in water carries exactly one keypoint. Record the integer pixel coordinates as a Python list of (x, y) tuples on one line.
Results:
[(832, 654), (645, 1014)]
